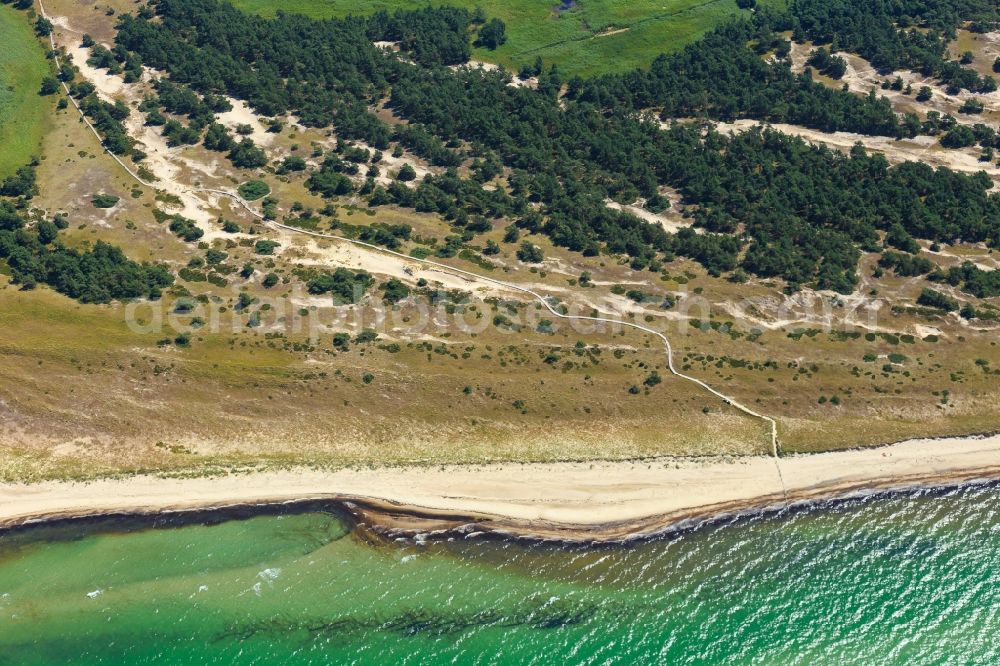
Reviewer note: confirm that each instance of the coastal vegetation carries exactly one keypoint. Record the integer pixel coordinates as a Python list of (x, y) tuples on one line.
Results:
[(757, 252), (573, 154), (263, 257), (35, 255)]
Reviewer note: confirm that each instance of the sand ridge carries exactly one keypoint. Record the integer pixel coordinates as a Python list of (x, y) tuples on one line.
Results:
[(575, 501)]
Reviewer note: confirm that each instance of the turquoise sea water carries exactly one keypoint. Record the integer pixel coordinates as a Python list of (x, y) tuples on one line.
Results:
[(907, 579)]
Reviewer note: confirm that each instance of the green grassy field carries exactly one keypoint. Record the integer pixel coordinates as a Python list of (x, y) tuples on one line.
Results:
[(22, 112), (576, 39)]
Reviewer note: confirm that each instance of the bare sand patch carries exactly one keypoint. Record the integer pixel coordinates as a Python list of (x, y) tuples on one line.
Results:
[(242, 114), (389, 166), (515, 81), (108, 86), (609, 31), (321, 252), (861, 78), (670, 222), (985, 262)]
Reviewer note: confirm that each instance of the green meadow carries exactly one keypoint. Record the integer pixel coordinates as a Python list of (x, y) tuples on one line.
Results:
[(589, 37), (22, 112)]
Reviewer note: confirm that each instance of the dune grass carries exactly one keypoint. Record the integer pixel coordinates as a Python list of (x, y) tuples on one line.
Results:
[(22, 112), (589, 37)]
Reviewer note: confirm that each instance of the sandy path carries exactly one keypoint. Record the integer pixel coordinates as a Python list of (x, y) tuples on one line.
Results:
[(584, 501), (480, 279), (860, 77), (726, 486), (918, 149), (324, 253), (985, 262)]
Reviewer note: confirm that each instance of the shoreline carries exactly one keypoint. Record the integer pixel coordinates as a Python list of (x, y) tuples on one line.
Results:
[(588, 502)]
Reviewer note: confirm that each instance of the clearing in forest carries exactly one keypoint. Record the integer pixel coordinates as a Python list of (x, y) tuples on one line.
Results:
[(560, 32)]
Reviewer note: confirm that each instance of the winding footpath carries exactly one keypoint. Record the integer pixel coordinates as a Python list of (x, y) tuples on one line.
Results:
[(775, 451)]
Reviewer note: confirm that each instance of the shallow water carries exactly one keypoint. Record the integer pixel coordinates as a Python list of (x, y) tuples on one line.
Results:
[(909, 579)]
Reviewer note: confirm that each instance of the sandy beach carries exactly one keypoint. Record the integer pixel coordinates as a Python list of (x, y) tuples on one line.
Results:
[(598, 501)]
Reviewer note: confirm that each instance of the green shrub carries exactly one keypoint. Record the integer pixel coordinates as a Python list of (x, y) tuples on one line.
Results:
[(530, 254), (394, 291), (340, 340), (104, 200), (365, 336), (254, 189), (265, 246), (185, 228), (935, 299), (346, 285), (214, 256), (406, 173)]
